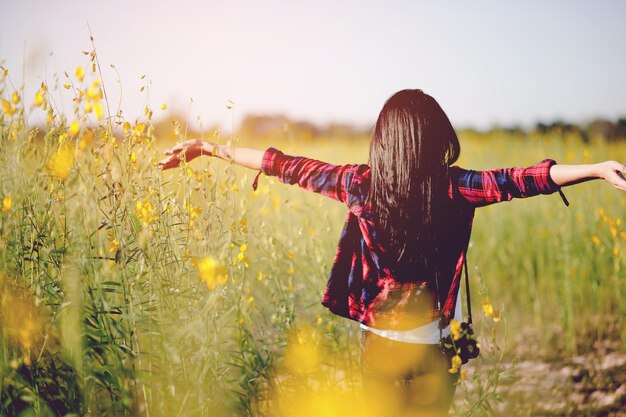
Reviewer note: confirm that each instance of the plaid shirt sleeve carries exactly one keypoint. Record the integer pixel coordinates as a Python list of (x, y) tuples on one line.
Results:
[(480, 188), (320, 177)]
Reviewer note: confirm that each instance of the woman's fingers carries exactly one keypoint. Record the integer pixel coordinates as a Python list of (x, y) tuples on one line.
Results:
[(615, 175), (170, 162), (175, 149)]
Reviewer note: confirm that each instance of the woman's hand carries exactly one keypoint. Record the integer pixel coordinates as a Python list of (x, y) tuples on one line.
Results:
[(193, 148), (187, 150), (613, 172)]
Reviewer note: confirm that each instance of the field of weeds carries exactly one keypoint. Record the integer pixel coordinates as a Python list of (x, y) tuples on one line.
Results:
[(125, 290)]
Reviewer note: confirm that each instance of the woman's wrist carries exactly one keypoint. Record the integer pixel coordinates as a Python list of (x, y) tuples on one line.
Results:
[(213, 149)]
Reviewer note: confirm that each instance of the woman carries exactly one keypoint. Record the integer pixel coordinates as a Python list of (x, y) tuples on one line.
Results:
[(398, 265)]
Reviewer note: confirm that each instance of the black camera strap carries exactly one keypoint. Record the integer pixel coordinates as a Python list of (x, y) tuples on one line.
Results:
[(467, 291), (467, 294)]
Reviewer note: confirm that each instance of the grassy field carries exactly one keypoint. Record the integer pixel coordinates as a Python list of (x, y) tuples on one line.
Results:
[(129, 291)]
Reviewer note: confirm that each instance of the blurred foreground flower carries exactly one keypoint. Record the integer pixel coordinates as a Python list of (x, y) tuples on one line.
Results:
[(212, 272), (7, 108), (21, 321), (303, 352), (7, 202), (61, 163)]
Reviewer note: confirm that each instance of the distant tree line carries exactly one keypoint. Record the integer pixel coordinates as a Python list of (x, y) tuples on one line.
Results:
[(272, 125), (602, 128)]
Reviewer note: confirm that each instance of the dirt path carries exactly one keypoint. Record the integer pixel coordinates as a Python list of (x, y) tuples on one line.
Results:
[(591, 384)]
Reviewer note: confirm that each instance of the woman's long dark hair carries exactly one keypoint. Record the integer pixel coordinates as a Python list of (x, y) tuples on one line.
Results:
[(412, 147)]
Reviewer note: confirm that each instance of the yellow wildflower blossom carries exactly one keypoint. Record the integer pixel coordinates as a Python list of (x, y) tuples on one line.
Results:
[(7, 202), (212, 273), (61, 162), (456, 364), (80, 73), (114, 245), (145, 212), (15, 98), (21, 321), (487, 307), (595, 240), (455, 329), (94, 92), (7, 108), (303, 354), (97, 109), (126, 127), (140, 128), (74, 128)]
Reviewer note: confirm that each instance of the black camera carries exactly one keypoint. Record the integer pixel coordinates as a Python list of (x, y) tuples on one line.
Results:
[(462, 343)]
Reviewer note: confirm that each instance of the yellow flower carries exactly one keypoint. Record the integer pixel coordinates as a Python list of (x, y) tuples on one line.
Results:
[(163, 106), (21, 321), (596, 240), (7, 202), (144, 212), (114, 245), (80, 73), (302, 355), (250, 300), (94, 92), (86, 139), (212, 273), (38, 98), (456, 364), (193, 211), (260, 276), (61, 163), (140, 128), (7, 108), (15, 98), (487, 308), (74, 128), (455, 329), (97, 108)]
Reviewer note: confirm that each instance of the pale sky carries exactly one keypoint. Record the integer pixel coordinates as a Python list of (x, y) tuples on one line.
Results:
[(486, 62)]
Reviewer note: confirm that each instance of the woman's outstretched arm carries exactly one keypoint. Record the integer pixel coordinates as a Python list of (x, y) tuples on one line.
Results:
[(193, 148), (612, 171), (330, 180)]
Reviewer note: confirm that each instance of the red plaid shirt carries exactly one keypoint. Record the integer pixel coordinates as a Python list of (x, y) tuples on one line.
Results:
[(361, 285)]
